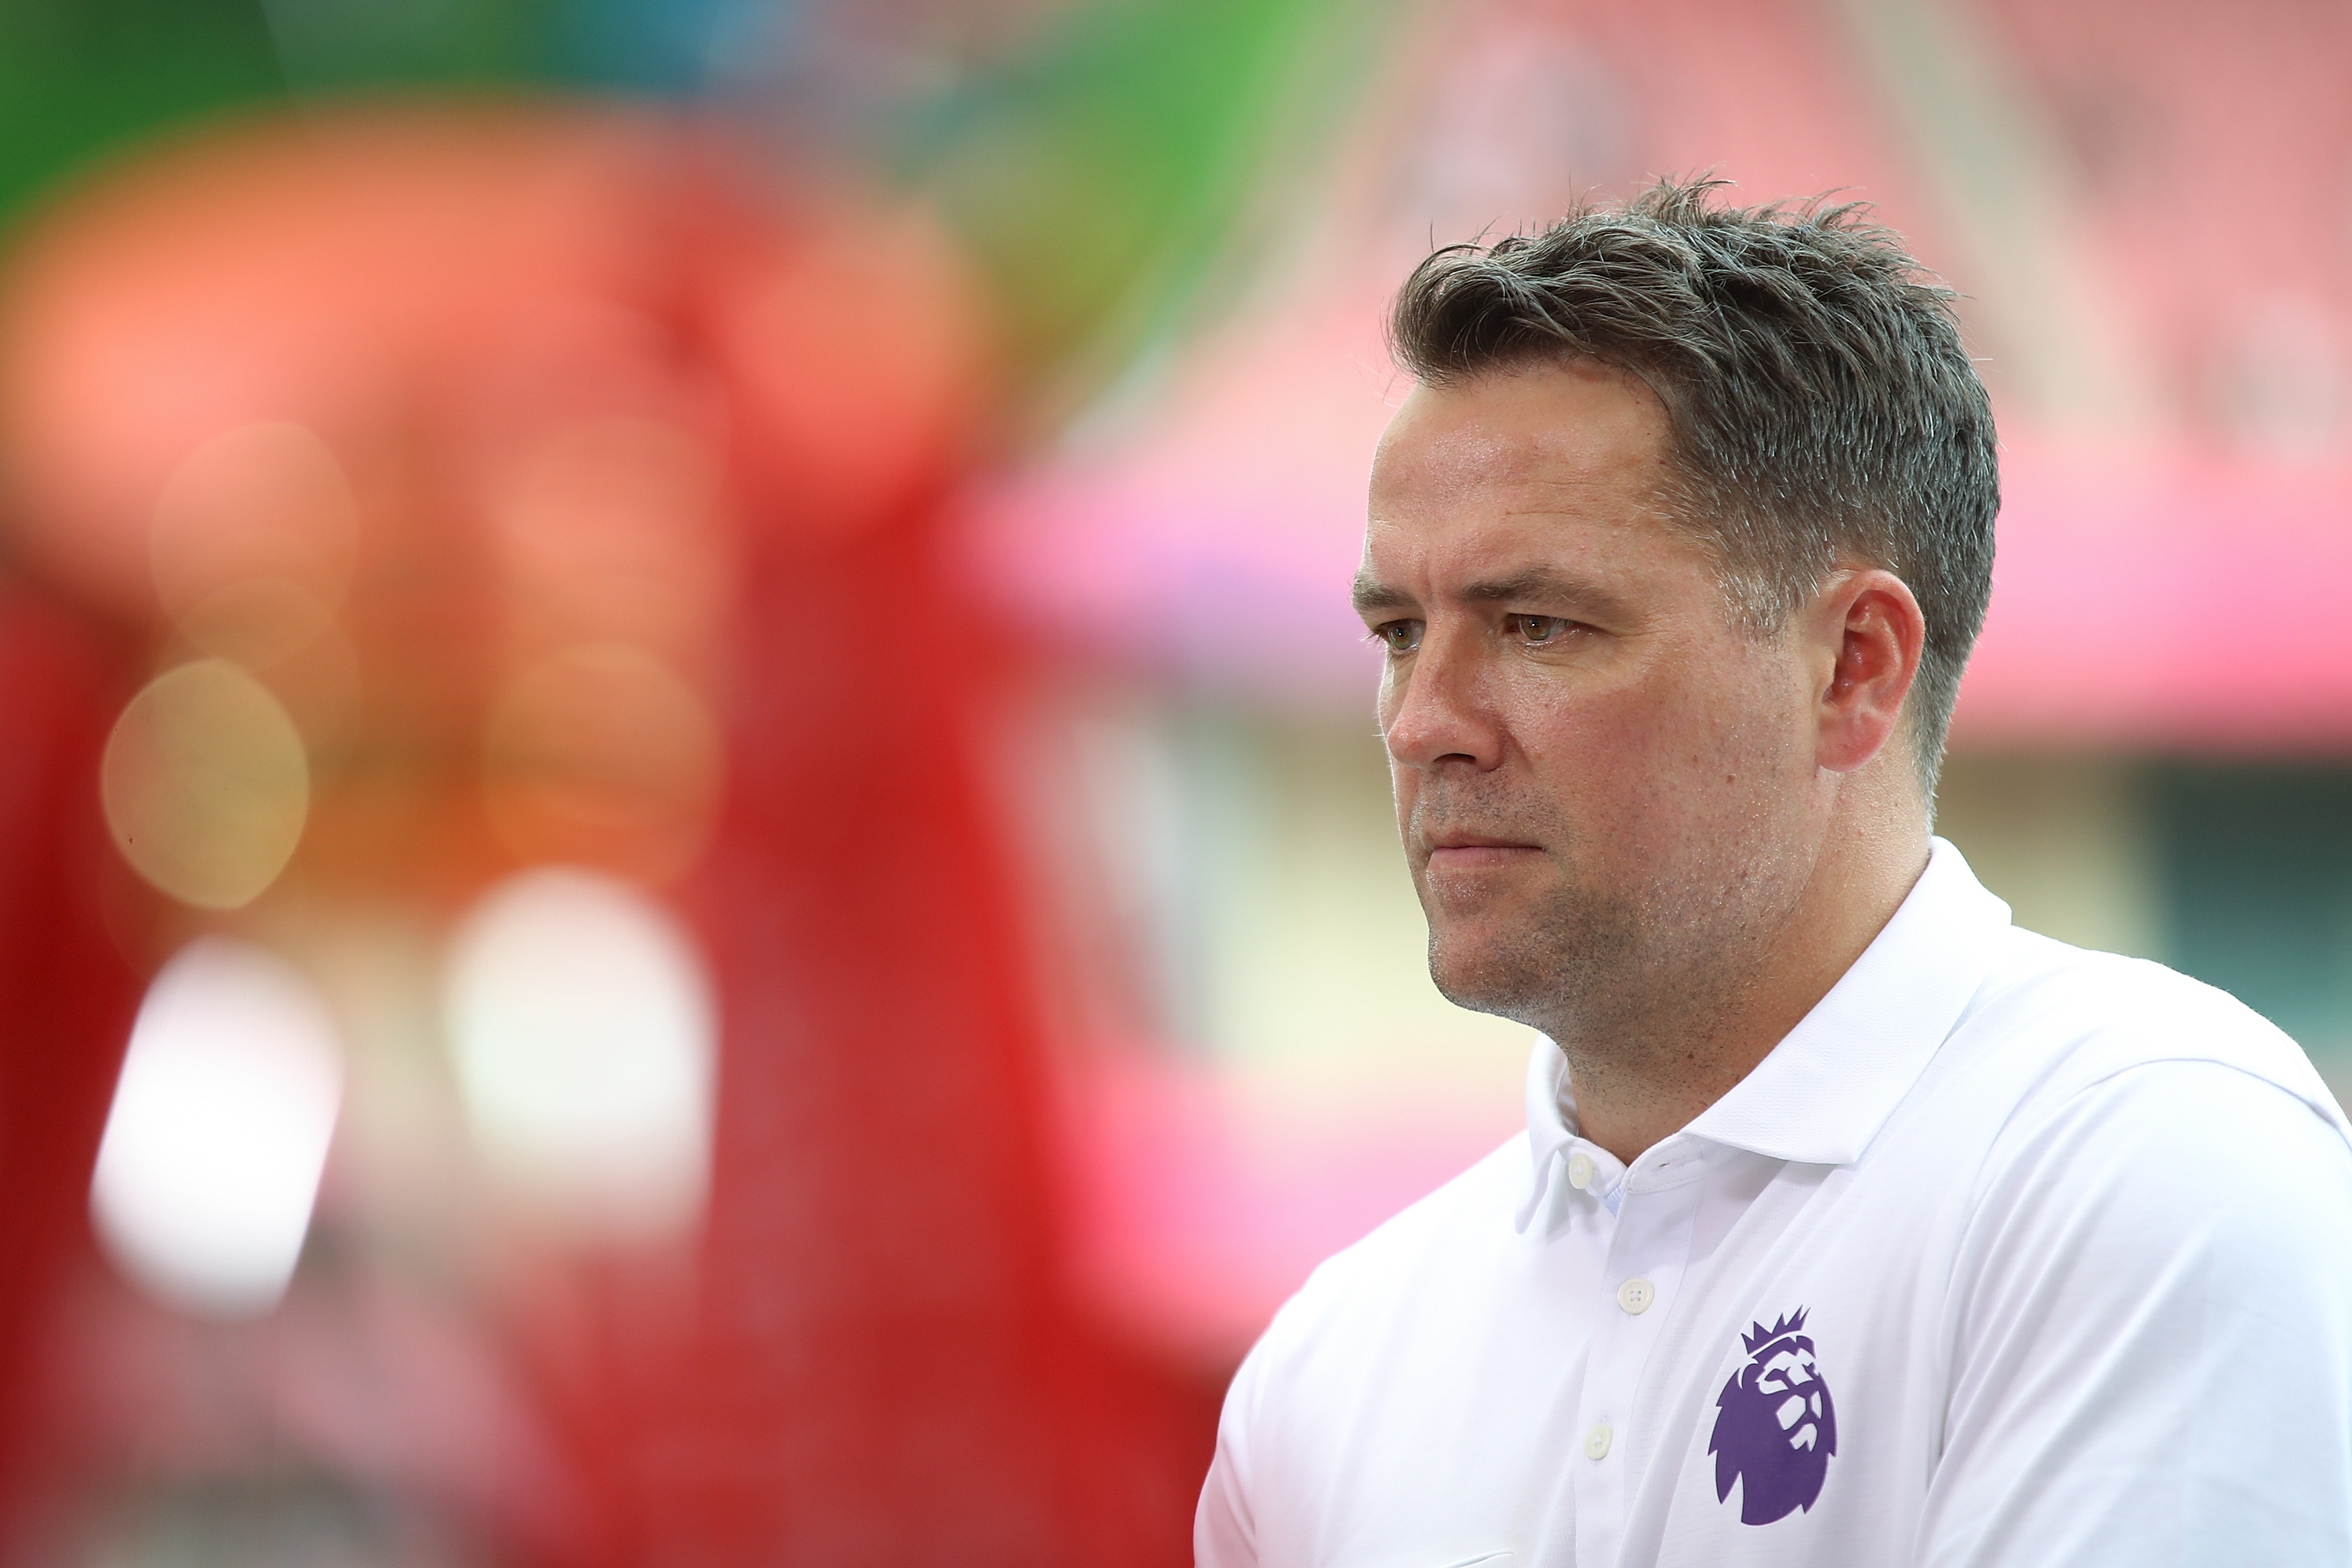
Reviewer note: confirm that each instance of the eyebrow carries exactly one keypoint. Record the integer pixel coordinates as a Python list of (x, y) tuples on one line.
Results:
[(1370, 594), (1537, 583)]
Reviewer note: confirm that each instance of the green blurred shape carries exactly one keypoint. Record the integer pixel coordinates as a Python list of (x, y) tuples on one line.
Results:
[(79, 78), (82, 79), (329, 46), (1101, 181), (2257, 865)]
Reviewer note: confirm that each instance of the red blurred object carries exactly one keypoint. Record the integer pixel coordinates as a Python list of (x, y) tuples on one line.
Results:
[(877, 1361), (66, 991)]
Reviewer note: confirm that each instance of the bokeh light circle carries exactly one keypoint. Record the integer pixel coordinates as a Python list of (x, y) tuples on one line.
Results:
[(220, 1131), (206, 785), (582, 1027)]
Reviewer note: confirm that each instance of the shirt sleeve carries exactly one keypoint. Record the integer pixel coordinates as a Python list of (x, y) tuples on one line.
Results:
[(1223, 1535), (2152, 1336)]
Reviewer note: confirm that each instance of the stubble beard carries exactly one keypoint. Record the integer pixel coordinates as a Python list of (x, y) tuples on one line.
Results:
[(1624, 975)]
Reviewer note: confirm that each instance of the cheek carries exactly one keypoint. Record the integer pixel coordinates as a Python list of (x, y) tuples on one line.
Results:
[(1670, 774), (1634, 755), (1404, 785), (1704, 745)]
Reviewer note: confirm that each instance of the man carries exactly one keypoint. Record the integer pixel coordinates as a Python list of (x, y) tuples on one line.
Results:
[(1852, 1225)]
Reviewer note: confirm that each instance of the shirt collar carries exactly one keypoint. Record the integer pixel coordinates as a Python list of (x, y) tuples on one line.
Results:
[(1548, 1134), (1826, 1088)]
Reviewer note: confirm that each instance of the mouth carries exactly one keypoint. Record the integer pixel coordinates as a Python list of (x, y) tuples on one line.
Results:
[(1454, 852)]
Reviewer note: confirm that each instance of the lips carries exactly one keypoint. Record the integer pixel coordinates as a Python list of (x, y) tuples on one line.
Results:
[(1458, 852), (1474, 841)]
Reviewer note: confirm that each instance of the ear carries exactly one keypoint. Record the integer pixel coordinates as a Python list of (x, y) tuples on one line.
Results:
[(1870, 627)]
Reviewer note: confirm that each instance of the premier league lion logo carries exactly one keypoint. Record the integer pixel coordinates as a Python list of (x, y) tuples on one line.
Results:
[(1775, 1428)]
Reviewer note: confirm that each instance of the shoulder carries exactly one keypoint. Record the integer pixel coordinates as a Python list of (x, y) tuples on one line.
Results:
[(2071, 1026), (2148, 1116), (2158, 1241)]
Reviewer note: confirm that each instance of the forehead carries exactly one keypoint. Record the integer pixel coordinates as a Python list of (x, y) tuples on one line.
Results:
[(1562, 456)]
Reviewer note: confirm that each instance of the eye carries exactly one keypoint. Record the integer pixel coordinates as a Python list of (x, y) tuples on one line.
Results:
[(1400, 638), (1537, 631)]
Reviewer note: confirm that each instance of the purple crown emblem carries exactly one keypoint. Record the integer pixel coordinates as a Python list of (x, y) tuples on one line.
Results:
[(1775, 1426), (1758, 1336)]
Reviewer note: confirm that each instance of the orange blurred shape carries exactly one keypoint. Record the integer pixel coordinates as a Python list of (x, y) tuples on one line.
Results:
[(318, 272), (601, 753), (606, 530), (252, 543), (448, 421), (504, 268)]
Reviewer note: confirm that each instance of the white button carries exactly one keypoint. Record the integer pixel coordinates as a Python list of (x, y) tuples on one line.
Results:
[(1636, 1296), (1579, 1171), (1596, 1442)]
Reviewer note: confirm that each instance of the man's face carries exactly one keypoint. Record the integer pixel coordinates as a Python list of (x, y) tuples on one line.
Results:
[(1602, 783)]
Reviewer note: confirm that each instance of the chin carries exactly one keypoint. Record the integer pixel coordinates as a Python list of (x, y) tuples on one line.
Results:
[(1542, 962), (1487, 971)]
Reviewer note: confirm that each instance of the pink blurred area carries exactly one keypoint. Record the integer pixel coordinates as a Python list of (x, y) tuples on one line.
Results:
[(2175, 505), (2160, 599), (1200, 1210)]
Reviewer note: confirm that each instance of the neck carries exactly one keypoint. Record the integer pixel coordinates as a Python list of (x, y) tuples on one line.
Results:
[(1640, 1079)]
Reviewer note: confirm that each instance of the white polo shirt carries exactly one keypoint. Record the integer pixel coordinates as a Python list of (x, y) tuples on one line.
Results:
[(2010, 1254)]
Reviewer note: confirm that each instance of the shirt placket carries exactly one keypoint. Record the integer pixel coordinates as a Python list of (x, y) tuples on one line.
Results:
[(1648, 1252)]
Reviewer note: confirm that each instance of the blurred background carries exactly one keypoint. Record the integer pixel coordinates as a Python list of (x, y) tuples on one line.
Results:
[(693, 863)]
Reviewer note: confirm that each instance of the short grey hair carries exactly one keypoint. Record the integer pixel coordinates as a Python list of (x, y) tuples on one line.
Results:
[(1822, 407)]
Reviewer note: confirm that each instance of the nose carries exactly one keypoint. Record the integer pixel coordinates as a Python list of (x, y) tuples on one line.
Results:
[(1438, 712)]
